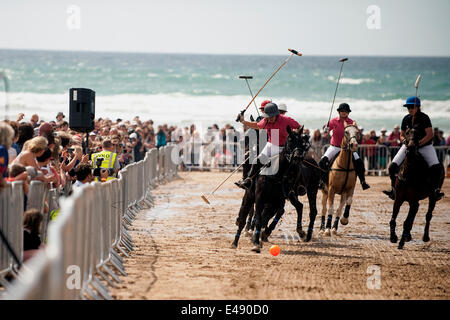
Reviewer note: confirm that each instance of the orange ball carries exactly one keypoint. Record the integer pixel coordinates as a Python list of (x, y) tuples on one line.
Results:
[(274, 250)]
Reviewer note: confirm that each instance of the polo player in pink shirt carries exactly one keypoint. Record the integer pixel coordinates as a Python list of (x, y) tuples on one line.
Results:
[(337, 125), (275, 124)]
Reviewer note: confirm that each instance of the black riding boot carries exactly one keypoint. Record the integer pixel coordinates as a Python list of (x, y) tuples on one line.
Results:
[(437, 178), (324, 164), (393, 170), (247, 182), (360, 172)]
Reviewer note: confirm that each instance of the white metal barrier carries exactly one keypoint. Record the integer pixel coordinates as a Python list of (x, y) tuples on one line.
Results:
[(11, 224), (88, 240)]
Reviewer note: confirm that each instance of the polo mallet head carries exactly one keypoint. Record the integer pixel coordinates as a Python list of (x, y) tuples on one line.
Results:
[(245, 77), (295, 52), (205, 199), (343, 60), (419, 78)]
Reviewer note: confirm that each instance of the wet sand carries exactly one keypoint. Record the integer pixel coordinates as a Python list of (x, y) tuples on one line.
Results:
[(183, 250)]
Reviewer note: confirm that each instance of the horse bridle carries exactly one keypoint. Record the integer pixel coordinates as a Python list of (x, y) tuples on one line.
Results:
[(347, 138)]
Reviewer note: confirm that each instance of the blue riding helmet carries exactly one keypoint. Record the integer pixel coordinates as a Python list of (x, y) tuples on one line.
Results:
[(411, 101)]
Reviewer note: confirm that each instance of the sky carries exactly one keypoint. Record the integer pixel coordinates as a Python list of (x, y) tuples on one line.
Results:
[(320, 27)]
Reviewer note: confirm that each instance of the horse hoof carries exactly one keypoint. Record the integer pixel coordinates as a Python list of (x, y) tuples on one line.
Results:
[(344, 221), (334, 232), (256, 248), (327, 232), (308, 238), (426, 238), (400, 245), (233, 246), (408, 238), (394, 238), (301, 234)]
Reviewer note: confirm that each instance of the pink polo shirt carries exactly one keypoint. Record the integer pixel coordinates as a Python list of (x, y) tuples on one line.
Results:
[(337, 125), (281, 124)]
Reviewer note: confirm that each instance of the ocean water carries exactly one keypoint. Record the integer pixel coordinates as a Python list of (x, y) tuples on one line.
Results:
[(182, 89)]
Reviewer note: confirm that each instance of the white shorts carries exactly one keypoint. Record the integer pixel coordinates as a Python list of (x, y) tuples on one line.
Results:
[(332, 151), (271, 150), (427, 152)]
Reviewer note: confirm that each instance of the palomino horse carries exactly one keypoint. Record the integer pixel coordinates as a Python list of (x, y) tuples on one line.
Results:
[(342, 181), (413, 184)]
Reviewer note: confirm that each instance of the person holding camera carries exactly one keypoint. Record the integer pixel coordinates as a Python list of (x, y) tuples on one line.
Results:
[(105, 163)]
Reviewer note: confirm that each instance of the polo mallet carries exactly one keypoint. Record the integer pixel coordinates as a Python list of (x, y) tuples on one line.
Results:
[(335, 91), (416, 85), (293, 52), (221, 183), (251, 93)]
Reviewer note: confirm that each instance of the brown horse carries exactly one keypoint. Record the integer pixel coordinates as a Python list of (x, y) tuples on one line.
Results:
[(413, 184), (342, 181)]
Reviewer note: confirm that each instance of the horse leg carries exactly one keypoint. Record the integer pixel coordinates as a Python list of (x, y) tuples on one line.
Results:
[(268, 231), (407, 225), (330, 200), (299, 208), (324, 211), (249, 221), (246, 207), (312, 213), (397, 204), (262, 211), (338, 213), (431, 204)]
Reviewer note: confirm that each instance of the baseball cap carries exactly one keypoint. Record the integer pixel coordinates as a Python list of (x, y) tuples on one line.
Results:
[(282, 107), (60, 114), (133, 135)]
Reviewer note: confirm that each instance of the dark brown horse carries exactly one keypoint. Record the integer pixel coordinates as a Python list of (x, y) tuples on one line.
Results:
[(412, 185)]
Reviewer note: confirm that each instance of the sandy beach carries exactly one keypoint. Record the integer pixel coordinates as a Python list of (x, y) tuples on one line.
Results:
[(183, 250)]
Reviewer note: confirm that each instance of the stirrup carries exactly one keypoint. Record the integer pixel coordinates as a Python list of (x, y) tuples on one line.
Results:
[(390, 193), (437, 194), (365, 185)]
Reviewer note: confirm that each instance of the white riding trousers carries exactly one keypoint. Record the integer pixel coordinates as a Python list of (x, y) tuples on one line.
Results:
[(271, 150), (332, 151), (427, 152)]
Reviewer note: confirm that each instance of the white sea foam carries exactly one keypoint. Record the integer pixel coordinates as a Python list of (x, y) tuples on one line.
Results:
[(183, 109), (351, 80)]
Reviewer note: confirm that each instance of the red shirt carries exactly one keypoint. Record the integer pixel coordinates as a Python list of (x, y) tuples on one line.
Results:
[(393, 137), (337, 125), (280, 124)]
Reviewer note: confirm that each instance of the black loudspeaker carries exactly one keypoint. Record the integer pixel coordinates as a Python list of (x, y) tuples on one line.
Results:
[(82, 109)]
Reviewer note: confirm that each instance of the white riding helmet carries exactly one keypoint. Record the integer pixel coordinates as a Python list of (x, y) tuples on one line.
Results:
[(282, 107)]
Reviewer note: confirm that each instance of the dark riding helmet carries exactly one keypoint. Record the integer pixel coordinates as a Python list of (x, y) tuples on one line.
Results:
[(344, 107), (271, 110)]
